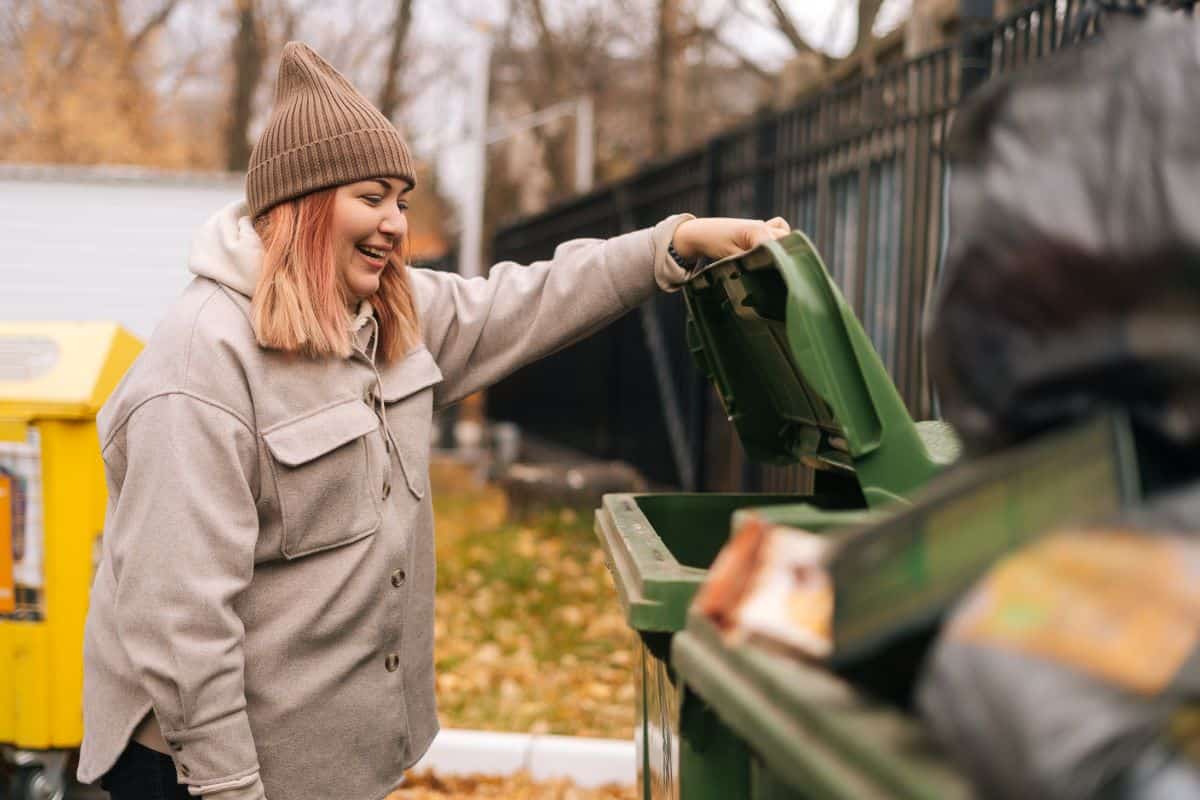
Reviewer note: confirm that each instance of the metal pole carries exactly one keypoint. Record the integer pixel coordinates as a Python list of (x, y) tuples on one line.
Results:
[(585, 133), (660, 362), (977, 18), (470, 251), (585, 145), (506, 130)]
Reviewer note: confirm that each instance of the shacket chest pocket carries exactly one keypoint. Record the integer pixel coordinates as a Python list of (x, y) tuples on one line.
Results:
[(408, 400), (321, 467)]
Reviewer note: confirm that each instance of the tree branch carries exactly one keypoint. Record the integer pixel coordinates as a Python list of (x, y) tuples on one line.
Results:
[(711, 33), (247, 52), (548, 44), (389, 97), (156, 21), (868, 10), (288, 16), (788, 28), (739, 6)]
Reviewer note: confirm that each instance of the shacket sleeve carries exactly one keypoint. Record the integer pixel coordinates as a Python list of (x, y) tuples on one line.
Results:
[(183, 533), (481, 329)]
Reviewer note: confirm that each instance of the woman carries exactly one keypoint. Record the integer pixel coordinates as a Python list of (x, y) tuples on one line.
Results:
[(261, 624)]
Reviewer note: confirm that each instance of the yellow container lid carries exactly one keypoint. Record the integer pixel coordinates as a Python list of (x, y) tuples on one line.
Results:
[(61, 369)]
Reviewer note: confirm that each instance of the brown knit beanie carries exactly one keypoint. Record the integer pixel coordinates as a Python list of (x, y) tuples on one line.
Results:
[(322, 132)]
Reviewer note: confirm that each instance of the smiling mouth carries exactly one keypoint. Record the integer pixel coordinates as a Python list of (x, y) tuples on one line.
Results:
[(376, 257), (373, 253)]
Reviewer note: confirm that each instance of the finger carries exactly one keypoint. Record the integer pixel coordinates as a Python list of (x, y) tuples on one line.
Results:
[(760, 234), (771, 231)]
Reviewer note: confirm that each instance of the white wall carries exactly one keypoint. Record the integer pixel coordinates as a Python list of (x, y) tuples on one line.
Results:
[(99, 244)]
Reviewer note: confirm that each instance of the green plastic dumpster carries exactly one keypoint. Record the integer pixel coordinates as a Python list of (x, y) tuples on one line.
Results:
[(757, 722), (801, 383)]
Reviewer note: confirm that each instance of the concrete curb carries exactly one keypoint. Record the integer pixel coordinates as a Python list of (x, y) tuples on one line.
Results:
[(587, 762)]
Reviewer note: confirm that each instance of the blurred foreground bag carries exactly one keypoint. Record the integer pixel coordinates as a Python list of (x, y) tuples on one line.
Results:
[(1072, 273), (1071, 284), (1073, 669)]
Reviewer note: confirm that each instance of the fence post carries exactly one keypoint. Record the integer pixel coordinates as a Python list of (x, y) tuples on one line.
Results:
[(701, 390), (765, 165), (712, 176), (976, 17)]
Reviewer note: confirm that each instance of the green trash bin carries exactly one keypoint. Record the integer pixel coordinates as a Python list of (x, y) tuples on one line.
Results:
[(802, 384), (760, 724)]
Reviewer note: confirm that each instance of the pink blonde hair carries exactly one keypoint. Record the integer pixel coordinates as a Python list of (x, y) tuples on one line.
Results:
[(299, 304)]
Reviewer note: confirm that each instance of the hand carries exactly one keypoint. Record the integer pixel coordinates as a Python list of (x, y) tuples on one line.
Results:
[(718, 237)]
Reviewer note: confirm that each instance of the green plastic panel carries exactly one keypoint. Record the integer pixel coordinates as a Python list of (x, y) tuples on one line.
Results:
[(807, 517), (904, 572), (659, 546), (811, 735), (797, 374)]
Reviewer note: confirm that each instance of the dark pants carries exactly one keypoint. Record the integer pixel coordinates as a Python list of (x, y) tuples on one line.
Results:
[(143, 774)]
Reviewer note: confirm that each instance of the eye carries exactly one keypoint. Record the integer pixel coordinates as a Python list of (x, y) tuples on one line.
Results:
[(402, 205), (373, 199)]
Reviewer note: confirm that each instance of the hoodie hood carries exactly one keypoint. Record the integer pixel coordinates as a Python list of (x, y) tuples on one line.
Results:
[(228, 250)]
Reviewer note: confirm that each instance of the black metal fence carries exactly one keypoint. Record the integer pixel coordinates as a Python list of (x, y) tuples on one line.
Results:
[(859, 167)]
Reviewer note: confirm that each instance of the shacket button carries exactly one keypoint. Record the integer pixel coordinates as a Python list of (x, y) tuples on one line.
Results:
[(392, 662), (398, 578), (176, 746), (387, 490)]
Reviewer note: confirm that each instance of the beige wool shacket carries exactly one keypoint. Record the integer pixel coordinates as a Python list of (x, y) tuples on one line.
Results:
[(148, 732)]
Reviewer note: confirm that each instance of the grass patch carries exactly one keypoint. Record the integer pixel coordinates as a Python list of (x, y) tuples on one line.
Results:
[(530, 636)]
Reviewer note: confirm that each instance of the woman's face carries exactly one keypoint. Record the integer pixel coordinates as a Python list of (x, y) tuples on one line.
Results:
[(368, 225)]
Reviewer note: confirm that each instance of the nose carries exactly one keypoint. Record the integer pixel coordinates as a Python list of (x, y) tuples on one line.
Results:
[(393, 223)]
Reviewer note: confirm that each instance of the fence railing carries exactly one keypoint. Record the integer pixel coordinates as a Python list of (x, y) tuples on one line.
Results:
[(859, 167)]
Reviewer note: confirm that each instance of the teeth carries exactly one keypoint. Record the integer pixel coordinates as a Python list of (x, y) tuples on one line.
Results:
[(372, 251)]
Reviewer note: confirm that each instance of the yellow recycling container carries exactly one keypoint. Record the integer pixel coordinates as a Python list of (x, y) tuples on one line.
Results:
[(54, 376)]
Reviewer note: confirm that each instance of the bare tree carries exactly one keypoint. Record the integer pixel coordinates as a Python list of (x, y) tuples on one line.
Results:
[(781, 20), (247, 55), (560, 78), (152, 23), (868, 10), (132, 43), (77, 82), (664, 62), (390, 95)]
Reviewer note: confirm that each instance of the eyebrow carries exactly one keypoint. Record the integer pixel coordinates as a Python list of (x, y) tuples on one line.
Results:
[(387, 185)]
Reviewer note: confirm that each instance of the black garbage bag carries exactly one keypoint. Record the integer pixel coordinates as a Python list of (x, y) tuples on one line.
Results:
[(1072, 283), (1072, 670), (1072, 272)]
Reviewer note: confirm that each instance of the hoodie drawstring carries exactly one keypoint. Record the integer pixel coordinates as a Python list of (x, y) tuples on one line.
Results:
[(380, 409)]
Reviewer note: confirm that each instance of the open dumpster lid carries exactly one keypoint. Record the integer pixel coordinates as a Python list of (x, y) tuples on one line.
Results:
[(61, 369), (799, 378)]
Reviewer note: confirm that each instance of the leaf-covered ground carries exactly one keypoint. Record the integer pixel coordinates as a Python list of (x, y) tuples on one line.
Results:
[(429, 786), (530, 636)]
